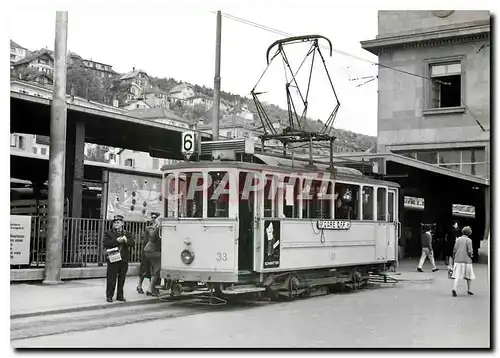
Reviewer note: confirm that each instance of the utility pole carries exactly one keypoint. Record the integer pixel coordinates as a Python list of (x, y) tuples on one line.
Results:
[(215, 120), (57, 156)]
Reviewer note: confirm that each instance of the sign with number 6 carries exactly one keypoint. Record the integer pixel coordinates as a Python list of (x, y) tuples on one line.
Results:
[(187, 146)]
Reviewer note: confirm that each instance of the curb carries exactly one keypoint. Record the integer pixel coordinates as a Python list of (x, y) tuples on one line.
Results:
[(85, 308)]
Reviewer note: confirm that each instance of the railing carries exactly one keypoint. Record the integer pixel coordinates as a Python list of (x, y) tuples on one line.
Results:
[(82, 242)]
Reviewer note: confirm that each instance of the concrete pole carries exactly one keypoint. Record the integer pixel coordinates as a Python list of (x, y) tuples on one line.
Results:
[(215, 120), (58, 116)]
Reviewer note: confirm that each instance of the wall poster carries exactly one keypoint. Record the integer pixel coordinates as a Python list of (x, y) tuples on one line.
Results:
[(133, 196)]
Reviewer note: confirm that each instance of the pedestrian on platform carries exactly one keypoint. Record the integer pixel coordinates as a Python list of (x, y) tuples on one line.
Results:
[(462, 258), (427, 252), (152, 252), (145, 267), (117, 244)]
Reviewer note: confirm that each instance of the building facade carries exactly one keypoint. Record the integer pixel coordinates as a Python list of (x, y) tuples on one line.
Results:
[(17, 52), (434, 87), (101, 69)]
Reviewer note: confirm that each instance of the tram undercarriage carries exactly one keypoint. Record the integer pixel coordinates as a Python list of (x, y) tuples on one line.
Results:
[(281, 286)]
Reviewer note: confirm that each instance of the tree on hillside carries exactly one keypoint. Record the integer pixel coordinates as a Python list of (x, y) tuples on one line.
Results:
[(89, 85), (97, 153), (23, 73)]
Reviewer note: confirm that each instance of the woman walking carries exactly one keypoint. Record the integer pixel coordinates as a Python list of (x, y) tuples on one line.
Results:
[(462, 256)]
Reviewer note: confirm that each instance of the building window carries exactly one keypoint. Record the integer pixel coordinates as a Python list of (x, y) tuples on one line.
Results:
[(467, 160), (156, 163), (112, 157), (21, 142), (129, 163), (446, 85), (35, 150), (428, 157), (229, 134), (43, 151), (13, 140)]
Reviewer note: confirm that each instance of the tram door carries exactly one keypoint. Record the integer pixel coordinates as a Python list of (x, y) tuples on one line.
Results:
[(394, 225), (246, 212)]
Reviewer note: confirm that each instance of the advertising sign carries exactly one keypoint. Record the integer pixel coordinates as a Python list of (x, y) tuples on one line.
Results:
[(20, 237), (133, 196), (272, 244)]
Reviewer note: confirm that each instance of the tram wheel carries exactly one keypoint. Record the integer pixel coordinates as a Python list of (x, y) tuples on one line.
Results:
[(176, 289)]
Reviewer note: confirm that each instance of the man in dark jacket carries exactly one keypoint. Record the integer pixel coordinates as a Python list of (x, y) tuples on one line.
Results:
[(117, 244), (427, 251)]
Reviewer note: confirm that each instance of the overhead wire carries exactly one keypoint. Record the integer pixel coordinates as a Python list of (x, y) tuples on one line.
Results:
[(371, 78), (283, 33)]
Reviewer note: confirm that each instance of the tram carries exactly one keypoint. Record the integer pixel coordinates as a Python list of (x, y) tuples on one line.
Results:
[(235, 222), (239, 227)]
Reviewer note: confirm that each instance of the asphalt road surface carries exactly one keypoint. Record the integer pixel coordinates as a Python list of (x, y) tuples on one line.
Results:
[(409, 314)]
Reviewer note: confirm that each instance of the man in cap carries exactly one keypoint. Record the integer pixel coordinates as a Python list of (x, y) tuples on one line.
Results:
[(117, 244)]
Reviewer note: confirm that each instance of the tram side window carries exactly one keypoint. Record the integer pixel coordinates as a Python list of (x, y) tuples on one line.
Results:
[(381, 204), (291, 197), (316, 200), (270, 204), (191, 195), (391, 206), (169, 192), (346, 201), (367, 203), (218, 195)]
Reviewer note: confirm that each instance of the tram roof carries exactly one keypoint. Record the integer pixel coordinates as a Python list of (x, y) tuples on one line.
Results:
[(279, 165)]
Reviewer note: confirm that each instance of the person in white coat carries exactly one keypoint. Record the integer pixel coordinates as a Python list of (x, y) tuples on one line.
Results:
[(462, 258)]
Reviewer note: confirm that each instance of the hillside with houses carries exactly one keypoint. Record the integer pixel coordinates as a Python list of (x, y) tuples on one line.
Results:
[(144, 95)]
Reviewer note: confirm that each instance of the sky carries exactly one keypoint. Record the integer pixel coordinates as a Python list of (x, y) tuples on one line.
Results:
[(177, 39)]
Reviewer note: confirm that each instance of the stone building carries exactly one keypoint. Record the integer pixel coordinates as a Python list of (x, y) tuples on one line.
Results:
[(434, 100)]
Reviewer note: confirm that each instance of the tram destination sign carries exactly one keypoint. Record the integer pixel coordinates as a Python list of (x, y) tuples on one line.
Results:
[(333, 224)]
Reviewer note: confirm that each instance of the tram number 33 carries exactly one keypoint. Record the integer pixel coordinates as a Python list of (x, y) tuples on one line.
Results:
[(221, 256), (187, 142)]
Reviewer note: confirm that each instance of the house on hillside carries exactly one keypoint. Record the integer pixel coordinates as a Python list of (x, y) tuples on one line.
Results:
[(41, 60), (160, 115), (137, 104), (17, 52), (100, 69), (180, 93), (199, 99), (133, 85), (152, 98)]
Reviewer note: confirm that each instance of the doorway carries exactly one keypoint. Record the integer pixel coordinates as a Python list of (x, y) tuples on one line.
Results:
[(246, 212)]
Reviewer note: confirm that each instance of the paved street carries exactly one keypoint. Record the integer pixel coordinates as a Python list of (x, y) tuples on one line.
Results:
[(411, 314)]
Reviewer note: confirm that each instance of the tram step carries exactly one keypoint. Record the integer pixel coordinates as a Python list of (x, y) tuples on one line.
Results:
[(238, 290)]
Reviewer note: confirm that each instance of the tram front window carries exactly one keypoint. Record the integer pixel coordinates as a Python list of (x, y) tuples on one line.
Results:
[(191, 195), (218, 195)]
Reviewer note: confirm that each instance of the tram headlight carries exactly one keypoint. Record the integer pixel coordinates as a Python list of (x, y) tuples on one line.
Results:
[(187, 257)]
